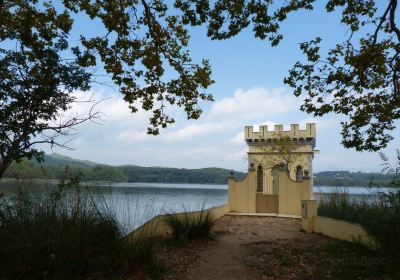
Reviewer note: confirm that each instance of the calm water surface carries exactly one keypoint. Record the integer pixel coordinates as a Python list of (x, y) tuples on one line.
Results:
[(135, 203)]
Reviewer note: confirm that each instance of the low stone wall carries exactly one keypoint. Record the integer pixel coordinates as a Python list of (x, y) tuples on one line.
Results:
[(334, 228), (343, 230), (157, 225)]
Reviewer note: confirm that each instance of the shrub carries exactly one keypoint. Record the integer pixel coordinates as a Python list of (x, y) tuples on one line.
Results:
[(190, 225), (66, 233)]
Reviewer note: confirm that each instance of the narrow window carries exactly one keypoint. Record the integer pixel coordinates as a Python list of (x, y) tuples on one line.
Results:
[(299, 173), (260, 176)]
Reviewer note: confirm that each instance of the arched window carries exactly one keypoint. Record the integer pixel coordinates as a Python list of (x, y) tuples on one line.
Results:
[(299, 173), (260, 179)]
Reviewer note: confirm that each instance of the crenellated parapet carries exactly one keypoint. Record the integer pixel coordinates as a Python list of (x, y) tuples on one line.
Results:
[(264, 135)]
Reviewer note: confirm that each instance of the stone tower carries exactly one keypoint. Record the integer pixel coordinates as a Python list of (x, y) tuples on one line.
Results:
[(269, 149)]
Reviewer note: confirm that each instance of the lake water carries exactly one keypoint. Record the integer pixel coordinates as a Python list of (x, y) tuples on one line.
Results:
[(135, 203)]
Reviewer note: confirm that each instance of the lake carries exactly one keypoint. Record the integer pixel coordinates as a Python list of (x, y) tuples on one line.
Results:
[(135, 203)]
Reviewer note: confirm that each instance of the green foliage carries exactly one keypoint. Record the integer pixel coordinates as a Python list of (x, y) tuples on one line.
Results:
[(346, 178), (39, 69), (35, 80), (226, 19), (358, 78), (53, 167), (285, 149), (66, 233), (190, 225), (175, 175), (143, 40), (381, 218), (140, 41)]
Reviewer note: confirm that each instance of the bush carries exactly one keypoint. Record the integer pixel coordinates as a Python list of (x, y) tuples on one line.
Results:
[(190, 225), (65, 233), (381, 217)]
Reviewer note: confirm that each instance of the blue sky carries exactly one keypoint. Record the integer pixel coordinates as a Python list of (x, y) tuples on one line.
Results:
[(249, 90)]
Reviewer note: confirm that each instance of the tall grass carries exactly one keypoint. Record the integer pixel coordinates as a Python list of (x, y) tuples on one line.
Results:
[(190, 225), (66, 233), (380, 217)]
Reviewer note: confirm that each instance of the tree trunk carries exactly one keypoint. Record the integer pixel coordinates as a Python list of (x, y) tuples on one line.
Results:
[(3, 168)]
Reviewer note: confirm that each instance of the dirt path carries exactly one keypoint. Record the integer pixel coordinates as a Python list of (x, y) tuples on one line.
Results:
[(245, 247)]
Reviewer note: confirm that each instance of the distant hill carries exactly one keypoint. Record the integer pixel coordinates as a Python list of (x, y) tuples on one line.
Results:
[(61, 161), (55, 165), (346, 178)]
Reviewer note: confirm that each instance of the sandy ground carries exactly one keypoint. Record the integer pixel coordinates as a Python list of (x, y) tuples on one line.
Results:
[(242, 249)]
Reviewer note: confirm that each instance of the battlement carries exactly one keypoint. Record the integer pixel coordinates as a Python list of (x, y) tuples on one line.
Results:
[(264, 135)]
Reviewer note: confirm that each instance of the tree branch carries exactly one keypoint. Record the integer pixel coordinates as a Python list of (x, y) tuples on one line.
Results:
[(383, 19), (393, 25)]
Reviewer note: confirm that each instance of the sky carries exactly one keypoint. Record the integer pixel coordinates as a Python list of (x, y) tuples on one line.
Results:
[(248, 90)]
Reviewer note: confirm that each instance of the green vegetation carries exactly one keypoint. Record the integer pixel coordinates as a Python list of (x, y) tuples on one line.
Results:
[(68, 233), (41, 65), (346, 178), (188, 225), (381, 218), (54, 166), (142, 47)]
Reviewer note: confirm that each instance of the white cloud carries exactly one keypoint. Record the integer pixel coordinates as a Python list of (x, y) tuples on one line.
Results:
[(193, 130), (111, 106), (252, 104), (231, 113), (134, 136), (322, 123), (238, 139), (216, 139)]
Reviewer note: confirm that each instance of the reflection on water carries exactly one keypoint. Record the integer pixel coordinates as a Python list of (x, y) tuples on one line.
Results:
[(135, 203)]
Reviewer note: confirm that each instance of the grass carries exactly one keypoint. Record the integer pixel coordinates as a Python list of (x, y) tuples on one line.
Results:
[(68, 233), (381, 217), (190, 225)]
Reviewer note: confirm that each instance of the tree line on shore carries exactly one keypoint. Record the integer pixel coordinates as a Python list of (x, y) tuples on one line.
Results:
[(54, 167)]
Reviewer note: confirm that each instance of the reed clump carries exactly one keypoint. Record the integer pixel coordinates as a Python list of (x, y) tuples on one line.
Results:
[(190, 225), (67, 233)]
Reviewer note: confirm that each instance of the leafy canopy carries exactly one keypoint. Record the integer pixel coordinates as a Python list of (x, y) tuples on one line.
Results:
[(39, 69), (142, 48), (357, 78), (35, 81)]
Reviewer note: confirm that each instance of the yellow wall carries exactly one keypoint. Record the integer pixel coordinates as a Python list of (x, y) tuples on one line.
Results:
[(294, 132), (342, 230), (291, 193), (332, 227), (242, 194)]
